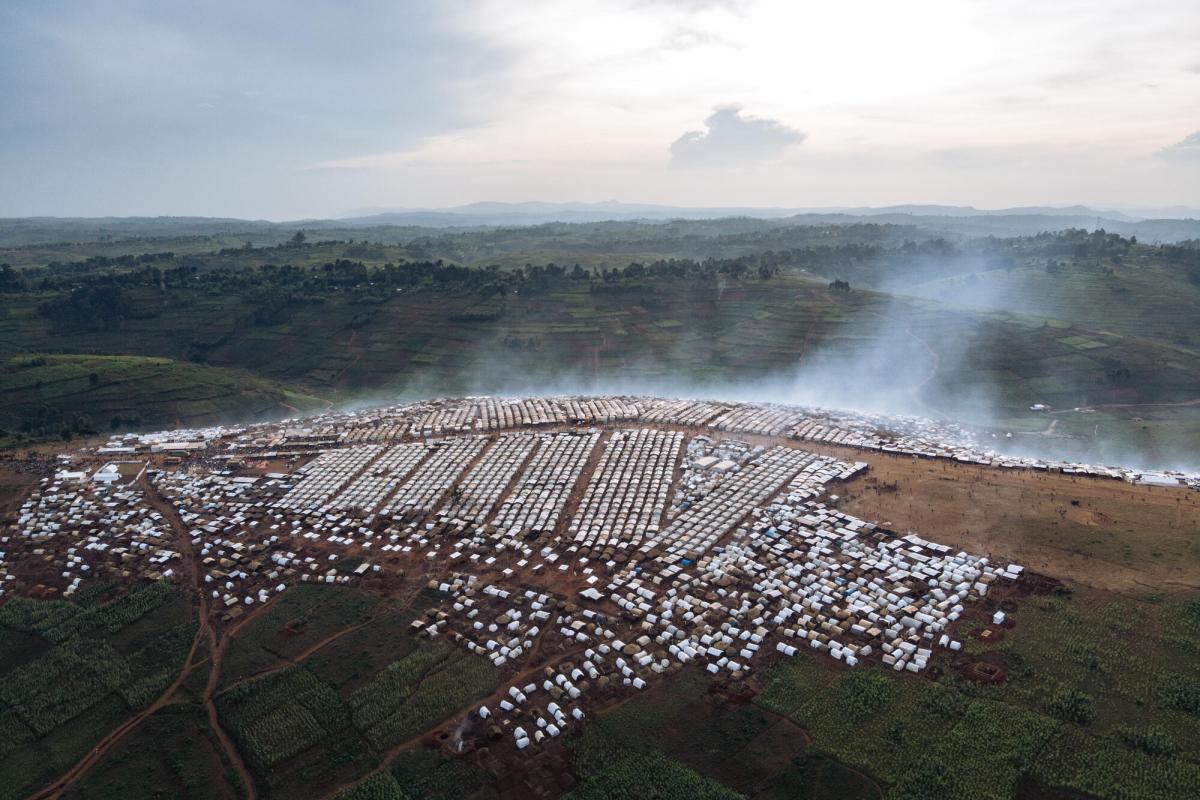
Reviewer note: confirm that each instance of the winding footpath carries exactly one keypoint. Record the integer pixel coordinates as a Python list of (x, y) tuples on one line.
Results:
[(204, 631)]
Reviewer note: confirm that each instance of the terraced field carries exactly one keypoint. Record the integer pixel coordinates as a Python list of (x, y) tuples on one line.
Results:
[(1141, 297), (788, 331), (87, 394)]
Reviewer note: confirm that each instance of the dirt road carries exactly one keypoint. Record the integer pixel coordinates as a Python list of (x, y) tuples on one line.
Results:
[(192, 585)]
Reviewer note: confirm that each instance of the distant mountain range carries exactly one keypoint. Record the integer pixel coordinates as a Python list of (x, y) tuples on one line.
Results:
[(1152, 225), (1164, 225), (536, 213)]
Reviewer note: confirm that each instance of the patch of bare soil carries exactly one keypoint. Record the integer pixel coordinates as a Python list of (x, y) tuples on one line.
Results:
[(1102, 533)]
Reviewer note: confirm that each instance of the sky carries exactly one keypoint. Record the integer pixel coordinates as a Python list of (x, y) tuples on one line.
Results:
[(292, 109)]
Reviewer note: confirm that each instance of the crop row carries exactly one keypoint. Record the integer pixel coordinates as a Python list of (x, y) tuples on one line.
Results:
[(13, 732), (281, 734), (633, 776), (439, 695), (389, 690), (910, 733), (114, 615), (282, 714), (157, 664), (1103, 768), (63, 682), (380, 786), (36, 616)]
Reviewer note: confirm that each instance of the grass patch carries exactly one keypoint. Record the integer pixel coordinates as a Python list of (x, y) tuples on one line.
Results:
[(42, 396), (170, 754), (300, 618), (652, 776)]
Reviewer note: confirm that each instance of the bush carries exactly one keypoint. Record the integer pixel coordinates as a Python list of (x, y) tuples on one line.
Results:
[(926, 778), (1072, 705), (1150, 739), (864, 694), (1178, 692)]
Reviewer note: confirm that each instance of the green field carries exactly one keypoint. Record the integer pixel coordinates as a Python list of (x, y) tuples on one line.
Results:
[(703, 334), (171, 754), (321, 685), (1142, 297), (315, 612), (1100, 699), (74, 670), (88, 394), (309, 708)]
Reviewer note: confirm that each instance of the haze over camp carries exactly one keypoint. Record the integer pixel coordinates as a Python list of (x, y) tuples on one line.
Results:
[(706, 399)]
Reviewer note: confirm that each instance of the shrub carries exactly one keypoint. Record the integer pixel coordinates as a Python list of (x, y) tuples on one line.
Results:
[(1072, 705), (865, 694), (1178, 692), (1149, 739)]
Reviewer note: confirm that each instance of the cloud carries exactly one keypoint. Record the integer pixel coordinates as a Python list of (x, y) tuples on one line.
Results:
[(697, 5), (229, 99), (733, 139), (686, 38), (1188, 147)]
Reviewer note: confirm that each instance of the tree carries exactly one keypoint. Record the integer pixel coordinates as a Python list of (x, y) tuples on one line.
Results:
[(298, 238), (10, 281), (1118, 375)]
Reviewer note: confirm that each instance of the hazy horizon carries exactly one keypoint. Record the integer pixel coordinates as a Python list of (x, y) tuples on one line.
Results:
[(629, 210)]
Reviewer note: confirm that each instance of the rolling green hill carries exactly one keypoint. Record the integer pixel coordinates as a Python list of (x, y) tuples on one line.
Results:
[(975, 329), (47, 394), (1140, 297), (787, 338)]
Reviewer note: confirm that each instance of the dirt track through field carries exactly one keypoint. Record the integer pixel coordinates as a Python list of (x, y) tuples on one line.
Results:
[(183, 545), (210, 707), (217, 646), (290, 661), (204, 630), (60, 786)]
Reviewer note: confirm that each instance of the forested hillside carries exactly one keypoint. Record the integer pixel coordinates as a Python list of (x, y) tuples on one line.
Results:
[(978, 329)]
